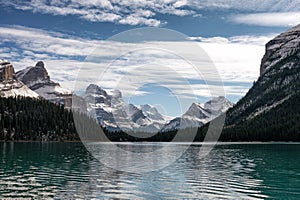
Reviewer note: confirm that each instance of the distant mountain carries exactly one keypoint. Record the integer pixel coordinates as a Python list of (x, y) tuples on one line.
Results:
[(114, 113), (10, 85), (270, 110), (198, 115), (37, 79), (152, 113)]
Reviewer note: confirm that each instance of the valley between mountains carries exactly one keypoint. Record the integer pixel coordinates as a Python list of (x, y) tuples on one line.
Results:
[(108, 107), (268, 112)]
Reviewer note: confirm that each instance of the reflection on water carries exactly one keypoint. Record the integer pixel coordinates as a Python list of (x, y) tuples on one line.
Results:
[(66, 170)]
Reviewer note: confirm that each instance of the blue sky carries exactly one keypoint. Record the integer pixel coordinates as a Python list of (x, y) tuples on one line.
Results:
[(63, 33)]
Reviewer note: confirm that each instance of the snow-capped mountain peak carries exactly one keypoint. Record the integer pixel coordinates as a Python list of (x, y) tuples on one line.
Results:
[(218, 105), (37, 79), (198, 114), (114, 113), (152, 113), (34, 76), (196, 110), (9, 83)]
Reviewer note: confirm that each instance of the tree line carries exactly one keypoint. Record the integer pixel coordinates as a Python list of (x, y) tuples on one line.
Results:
[(23, 118), (28, 119)]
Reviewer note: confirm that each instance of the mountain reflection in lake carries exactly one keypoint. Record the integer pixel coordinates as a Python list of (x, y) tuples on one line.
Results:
[(66, 170)]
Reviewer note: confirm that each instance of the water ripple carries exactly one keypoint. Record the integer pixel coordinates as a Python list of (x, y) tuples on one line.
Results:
[(66, 170)]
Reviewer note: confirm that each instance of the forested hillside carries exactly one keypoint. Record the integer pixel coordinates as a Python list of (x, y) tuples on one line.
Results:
[(23, 118), (270, 111)]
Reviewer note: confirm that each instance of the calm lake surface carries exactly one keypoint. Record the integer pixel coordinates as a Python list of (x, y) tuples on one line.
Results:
[(67, 170)]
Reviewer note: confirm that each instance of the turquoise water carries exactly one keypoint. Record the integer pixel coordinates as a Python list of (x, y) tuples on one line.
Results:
[(66, 170)]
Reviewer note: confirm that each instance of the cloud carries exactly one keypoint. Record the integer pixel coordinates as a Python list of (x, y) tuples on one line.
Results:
[(54, 43), (43, 41), (141, 12), (248, 6), (137, 12), (136, 20), (243, 39), (236, 54), (237, 60), (268, 19)]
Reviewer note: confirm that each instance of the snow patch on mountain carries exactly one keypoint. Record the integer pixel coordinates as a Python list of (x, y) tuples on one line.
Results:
[(112, 112), (10, 86), (280, 48), (37, 78), (198, 115), (18, 91)]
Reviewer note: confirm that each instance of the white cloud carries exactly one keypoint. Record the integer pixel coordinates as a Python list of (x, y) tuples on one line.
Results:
[(236, 58), (136, 20), (246, 5), (268, 19), (132, 12), (141, 12)]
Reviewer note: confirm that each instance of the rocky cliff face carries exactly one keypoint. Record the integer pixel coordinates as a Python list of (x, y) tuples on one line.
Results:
[(9, 83), (37, 79), (278, 84), (7, 72), (197, 115), (281, 51), (112, 112)]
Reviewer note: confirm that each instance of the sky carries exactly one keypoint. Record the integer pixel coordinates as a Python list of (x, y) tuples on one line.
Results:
[(83, 42)]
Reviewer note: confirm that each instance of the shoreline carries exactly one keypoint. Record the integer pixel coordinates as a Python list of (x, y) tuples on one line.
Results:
[(157, 142)]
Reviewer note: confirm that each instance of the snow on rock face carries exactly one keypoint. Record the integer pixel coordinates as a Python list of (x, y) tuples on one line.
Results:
[(281, 48), (152, 113), (218, 105), (95, 89), (181, 123), (196, 111), (114, 113), (10, 86), (198, 115), (279, 75), (19, 91), (37, 78), (116, 94)]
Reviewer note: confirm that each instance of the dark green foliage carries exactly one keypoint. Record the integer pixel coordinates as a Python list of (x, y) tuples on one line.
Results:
[(278, 124), (34, 119), (279, 93), (258, 97)]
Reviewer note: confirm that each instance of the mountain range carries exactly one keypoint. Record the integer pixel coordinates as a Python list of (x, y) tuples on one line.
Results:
[(269, 111), (115, 114), (33, 82), (198, 115), (108, 107)]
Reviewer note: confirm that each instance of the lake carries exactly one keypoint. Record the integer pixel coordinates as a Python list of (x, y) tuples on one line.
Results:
[(67, 170)]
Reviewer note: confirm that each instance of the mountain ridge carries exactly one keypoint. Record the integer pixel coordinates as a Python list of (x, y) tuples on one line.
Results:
[(113, 113), (279, 68), (198, 115), (270, 111), (108, 107), (37, 79), (10, 85)]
